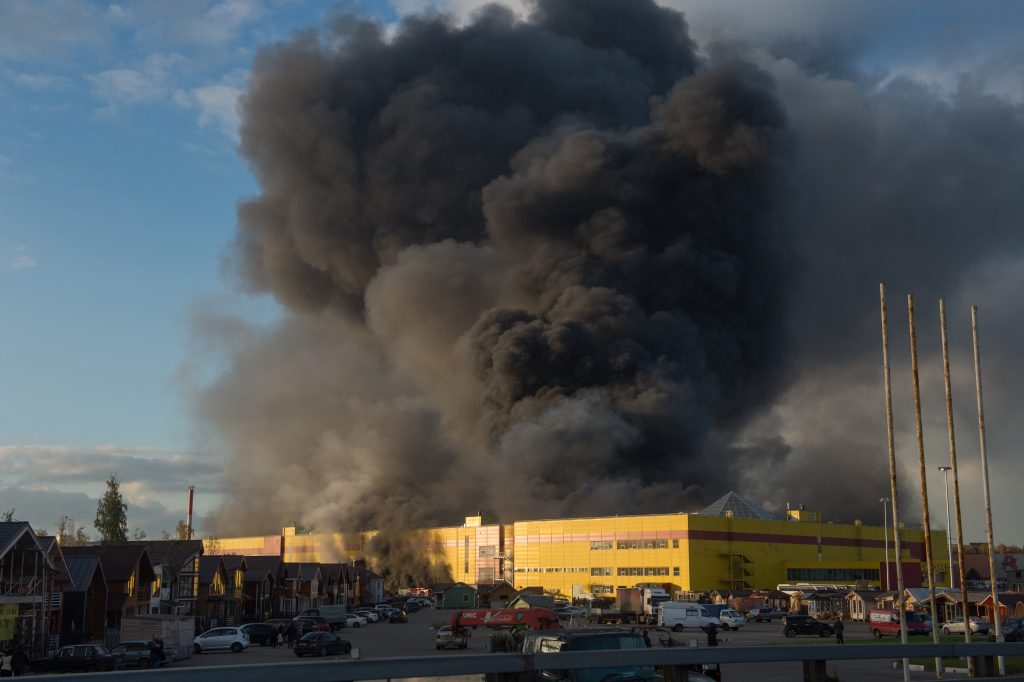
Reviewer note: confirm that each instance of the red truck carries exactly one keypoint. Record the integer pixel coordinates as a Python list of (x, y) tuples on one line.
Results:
[(507, 625)]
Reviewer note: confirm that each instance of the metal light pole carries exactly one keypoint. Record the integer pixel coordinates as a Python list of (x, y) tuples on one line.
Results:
[(885, 534), (949, 545)]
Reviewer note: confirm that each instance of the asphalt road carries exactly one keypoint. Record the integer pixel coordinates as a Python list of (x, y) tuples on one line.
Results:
[(416, 638)]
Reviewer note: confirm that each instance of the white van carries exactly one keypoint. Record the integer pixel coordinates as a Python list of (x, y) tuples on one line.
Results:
[(680, 614), (731, 619)]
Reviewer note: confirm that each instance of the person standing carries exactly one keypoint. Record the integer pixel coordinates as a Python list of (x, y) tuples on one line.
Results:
[(291, 634), (712, 634), (6, 663), (839, 631)]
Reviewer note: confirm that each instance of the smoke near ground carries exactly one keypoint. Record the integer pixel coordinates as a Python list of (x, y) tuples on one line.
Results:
[(568, 264)]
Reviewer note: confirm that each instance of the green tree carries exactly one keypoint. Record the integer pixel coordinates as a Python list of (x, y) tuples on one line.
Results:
[(112, 513), (138, 534)]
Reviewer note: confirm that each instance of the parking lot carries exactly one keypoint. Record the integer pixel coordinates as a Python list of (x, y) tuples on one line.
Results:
[(416, 638)]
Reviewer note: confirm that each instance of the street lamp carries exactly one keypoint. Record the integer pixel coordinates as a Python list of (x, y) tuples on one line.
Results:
[(885, 534), (945, 475)]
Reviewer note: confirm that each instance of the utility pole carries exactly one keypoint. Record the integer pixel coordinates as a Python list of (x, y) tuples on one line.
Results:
[(984, 479), (949, 531), (924, 480), (893, 490), (951, 433), (885, 534)]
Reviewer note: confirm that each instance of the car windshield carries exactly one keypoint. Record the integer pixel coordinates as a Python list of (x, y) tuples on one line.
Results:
[(602, 643), (915, 618)]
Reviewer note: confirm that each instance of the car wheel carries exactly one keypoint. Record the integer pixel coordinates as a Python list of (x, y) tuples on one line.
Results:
[(144, 663), (945, 631), (347, 649), (876, 634), (678, 627), (236, 648), (198, 649), (323, 651), (438, 647), (790, 632), (823, 633)]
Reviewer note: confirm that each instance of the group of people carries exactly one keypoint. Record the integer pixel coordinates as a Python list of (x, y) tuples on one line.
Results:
[(285, 636)]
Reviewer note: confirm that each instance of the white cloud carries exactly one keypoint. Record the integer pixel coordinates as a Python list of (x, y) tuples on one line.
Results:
[(151, 82), (31, 29), (217, 103), (23, 259), (38, 81), (187, 22), (45, 481)]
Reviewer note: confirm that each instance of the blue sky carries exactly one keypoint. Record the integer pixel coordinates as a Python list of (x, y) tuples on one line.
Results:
[(118, 185)]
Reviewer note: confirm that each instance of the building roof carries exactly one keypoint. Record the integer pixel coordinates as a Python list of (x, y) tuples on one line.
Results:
[(208, 566), (11, 532), (171, 553), (534, 600), (119, 559), (82, 569), (734, 506), (333, 572), (233, 562), (257, 567)]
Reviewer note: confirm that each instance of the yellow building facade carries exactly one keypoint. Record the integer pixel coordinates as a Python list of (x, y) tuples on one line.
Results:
[(681, 552)]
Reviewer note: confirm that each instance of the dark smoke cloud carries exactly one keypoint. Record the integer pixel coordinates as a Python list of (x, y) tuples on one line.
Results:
[(563, 265)]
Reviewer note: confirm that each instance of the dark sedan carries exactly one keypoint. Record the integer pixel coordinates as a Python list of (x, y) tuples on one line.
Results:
[(80, 658), (311, 624), (321, 644), (132, 654)]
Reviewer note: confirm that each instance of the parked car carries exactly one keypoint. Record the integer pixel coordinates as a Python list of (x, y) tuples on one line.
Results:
[(398, 617), (279, 622), (449, 639), (321, 644), (592, 639), (370, 615), (954, 625), (793, 625), (731, 619), (311, 624), (354, 620), (80, 658), (887, 622), (263, 634), (232, 639), (133, 654), (1012, 630), (334, 614), (765, 614), (412, 606), (136, 654)]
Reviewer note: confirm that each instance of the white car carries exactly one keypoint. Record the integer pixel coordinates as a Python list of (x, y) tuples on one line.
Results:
[(229, 639), (370, 616), (731, 619), (353, 620)]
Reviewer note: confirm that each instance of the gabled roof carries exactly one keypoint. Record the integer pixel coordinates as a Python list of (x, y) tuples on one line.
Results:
[(208, 567), (734, 506), (119, 560), (333, 572), (233, 562), (921, 594), (257, 567), (869, 594), (82, 569), (171, 553), (302, 571), (534, 600), (12, 531)]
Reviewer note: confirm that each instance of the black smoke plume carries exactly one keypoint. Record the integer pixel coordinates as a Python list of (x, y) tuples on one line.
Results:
[(566, 265)]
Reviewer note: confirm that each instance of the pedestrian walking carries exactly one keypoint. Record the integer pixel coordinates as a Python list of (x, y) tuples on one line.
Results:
[(712, 634), (279, 637), (291, 634), (647, 639), (6, 663), (839, 631)]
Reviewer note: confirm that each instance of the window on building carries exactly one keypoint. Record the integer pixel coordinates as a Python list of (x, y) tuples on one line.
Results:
[(675, 544), (601, 544), (675, 570), (465, 545), (601, 571), (643, 570), (831, 575), (465, 599), (642, 544), (130, 589), (487, 552)]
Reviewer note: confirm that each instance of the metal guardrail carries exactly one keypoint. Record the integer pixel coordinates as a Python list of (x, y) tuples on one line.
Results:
[(345, 670)]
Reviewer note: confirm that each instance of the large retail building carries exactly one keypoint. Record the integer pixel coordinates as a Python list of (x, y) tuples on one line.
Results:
[(732, 544)]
